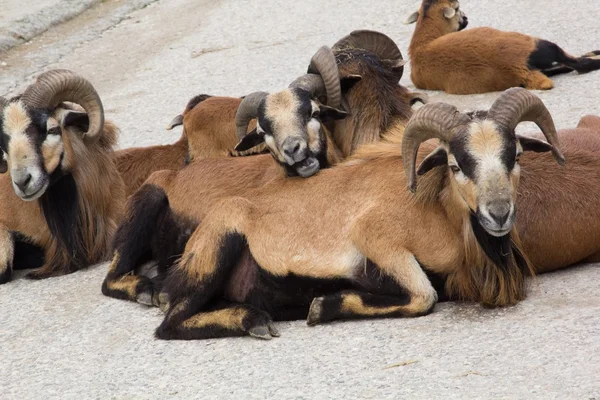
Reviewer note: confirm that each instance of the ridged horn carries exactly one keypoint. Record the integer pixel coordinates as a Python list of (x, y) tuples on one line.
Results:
[(323, 76), (516, 105), (247, 111), (55, 86), (433, 120)]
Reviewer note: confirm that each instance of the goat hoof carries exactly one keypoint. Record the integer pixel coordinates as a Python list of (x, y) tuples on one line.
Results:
[(260, 332), (145, 298), (163, 301), (315, 311), (272, 330)]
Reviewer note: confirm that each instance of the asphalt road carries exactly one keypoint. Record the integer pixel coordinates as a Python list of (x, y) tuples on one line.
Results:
[(60, 338)]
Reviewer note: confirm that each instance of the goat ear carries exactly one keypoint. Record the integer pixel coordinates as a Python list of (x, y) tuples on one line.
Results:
[(251, 139), (418, 97), (449, 12), (436, 158), (412, 18), (76, 119), (348, 82), (327, 113), (535, 145)]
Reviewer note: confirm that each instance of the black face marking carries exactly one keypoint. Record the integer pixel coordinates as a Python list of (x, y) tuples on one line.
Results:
[(509, 151), (466, 162)]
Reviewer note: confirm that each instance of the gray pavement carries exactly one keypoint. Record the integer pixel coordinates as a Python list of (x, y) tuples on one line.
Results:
[(61, 338)]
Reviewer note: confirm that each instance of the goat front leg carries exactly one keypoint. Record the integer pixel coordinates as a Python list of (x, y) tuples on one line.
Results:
[(133, 245), (397, 287), (225, 319), (393, 283), (7, 252)]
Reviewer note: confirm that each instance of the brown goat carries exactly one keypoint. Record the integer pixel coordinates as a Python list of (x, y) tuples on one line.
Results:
[(351, 242), (63, 196), (446, 57), (559, 217), (377, 104), (208, 131)]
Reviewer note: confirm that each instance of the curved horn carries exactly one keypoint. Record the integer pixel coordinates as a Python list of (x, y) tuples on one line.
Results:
[(53, 87), (433, 120), (379, 44), (324, 64), (247, 111), (516, 105)]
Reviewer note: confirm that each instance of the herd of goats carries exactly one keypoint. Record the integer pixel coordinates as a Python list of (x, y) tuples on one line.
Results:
[(331, 199)]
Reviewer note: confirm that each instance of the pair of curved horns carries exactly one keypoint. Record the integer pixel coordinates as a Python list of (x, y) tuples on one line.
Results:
[(326, 79), (55, 86), (440, 120)]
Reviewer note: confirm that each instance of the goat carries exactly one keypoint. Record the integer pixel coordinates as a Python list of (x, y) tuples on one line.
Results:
[(351, 242), (446, 57), (558, 218), (63, 195), (208, 131), (168, 205)]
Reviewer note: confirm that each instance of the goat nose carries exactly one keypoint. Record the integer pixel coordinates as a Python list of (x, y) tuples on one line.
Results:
[(499, 212), (293, 149), (23, 182)]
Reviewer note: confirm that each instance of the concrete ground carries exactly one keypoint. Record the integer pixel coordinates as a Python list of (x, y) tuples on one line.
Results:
[(60, 338)]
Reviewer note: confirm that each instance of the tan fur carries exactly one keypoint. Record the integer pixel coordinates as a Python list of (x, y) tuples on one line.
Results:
[(231, 318), (475, 60)]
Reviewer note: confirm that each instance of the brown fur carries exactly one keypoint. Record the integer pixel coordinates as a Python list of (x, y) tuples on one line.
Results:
[(474, 60), (558, 217), (377, 102)]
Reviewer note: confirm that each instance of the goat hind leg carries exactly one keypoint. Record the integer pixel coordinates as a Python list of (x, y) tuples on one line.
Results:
[(133, 242)]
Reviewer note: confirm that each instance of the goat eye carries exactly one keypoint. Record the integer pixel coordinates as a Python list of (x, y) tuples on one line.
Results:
[(315, 114), (54, 131), (455, 169)]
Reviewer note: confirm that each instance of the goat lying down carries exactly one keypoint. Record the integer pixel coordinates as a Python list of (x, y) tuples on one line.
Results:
[(378, 106), (63, 197), (559, 217), (208, 131), (446, 57), (353, 242)]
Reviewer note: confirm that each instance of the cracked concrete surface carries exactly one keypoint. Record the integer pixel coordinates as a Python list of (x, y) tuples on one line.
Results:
[(60, 338)]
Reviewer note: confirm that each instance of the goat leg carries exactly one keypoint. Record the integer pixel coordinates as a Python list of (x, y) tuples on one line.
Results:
[(225, 319)]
